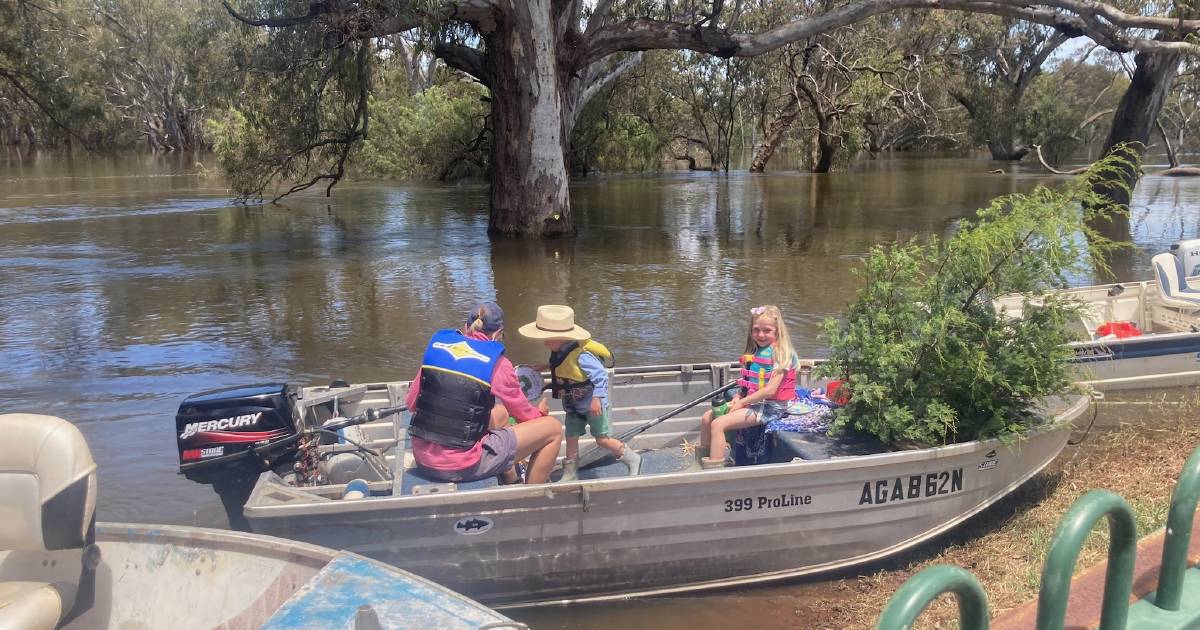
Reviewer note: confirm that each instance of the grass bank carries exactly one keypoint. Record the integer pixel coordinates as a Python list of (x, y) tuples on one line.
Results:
[(1139, 457)]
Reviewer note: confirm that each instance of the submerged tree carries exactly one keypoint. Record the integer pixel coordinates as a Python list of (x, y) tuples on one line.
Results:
[(542, 60), (1001, 61), (928, 356)]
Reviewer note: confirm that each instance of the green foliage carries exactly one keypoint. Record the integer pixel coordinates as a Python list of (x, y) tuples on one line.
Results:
[(237, 143), (610, 140), (438, 133), (929, 359)]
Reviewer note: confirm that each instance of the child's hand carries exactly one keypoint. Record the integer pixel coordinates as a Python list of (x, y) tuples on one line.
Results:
[(544, 406), (595, 408)]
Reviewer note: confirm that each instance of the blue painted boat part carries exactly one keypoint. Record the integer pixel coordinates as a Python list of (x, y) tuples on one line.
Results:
[(330, 601)]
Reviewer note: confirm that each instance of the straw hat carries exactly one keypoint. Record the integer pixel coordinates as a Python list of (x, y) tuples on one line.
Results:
[(554, 321)]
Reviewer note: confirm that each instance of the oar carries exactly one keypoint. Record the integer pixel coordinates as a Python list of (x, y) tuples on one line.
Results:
[(596, 453)]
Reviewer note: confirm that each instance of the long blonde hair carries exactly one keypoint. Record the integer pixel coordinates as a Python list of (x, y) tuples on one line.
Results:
[(784, 354)]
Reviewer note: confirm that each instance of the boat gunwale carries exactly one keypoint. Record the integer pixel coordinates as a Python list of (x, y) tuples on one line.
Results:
[(1060, 422), (283, 549)]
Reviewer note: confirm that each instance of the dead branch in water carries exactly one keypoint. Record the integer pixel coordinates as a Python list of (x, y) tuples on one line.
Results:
[(1074, 171)]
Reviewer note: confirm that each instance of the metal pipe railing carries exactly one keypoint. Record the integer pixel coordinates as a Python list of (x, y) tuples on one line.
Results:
[(915, 595), (1064, 552), (1179, 535)]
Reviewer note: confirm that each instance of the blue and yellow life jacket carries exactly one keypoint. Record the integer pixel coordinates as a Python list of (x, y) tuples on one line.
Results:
[(567, 379), (455, 403)]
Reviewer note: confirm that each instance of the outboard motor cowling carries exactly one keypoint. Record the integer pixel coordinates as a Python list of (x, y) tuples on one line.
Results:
[(1188, 253), (236, 431)]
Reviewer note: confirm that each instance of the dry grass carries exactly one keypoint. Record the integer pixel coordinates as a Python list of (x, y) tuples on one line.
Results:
[(1005, 545)]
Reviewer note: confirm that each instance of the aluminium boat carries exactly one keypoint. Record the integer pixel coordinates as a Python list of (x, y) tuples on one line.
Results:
[(1137, 335), (60, 569), (820, 504)]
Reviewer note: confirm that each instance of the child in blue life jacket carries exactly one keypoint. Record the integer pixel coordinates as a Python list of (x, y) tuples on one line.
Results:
[(578, 378), (768, 385)]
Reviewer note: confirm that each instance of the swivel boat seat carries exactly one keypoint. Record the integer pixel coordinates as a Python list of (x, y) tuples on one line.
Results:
[(1178, 303), (47, 522)]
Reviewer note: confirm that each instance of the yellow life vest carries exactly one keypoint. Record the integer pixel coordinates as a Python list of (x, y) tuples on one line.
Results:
[(565, 372)]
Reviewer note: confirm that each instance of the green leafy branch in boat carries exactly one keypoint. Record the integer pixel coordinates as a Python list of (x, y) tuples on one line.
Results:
[(930, 360)]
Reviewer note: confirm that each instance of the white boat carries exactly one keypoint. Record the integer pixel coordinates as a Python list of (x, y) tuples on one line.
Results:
[(824, 504), (1165, 311), (58, 569)]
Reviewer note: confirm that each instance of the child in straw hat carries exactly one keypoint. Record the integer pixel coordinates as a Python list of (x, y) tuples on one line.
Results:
[(578, 378)]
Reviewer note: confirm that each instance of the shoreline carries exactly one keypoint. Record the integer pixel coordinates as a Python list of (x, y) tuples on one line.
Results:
[(1137, 449)]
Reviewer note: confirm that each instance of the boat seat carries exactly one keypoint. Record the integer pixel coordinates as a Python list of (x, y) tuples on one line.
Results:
[(1173, 287), (415, 480), (29, 606), (47, 507), (818, 446)]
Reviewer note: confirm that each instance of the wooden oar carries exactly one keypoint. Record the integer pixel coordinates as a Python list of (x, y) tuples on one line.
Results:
[(596, 453)]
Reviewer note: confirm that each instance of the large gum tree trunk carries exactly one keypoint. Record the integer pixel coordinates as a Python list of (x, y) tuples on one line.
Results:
[(529, 182), (774, 136), (1135, 116), (829, 139)]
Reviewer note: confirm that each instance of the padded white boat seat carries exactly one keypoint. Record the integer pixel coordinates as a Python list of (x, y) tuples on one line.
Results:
[(29, 606), (817, 446), (47, 513), (1173, 287)]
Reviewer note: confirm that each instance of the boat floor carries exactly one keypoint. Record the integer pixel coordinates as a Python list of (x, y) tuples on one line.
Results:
[(786, 446)]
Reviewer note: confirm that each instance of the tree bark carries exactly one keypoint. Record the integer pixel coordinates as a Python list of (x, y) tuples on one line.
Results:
[(1134, 121), (774, 135), (529, 183), (829, 139)]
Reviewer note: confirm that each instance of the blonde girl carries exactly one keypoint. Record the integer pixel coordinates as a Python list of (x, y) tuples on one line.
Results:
[(768, 384)]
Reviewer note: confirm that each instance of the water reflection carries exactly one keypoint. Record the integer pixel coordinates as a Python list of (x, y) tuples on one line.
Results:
[(127, 284)]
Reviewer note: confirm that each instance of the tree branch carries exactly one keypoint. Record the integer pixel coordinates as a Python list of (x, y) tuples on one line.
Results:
[(464, 58), (1072, 18), (367, 20), (12, 78)]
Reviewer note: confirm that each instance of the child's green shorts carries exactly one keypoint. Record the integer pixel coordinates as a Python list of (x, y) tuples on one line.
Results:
[(578, 423)]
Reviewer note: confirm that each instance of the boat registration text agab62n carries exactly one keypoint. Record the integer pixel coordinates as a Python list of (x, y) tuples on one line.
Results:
[(908, 487)]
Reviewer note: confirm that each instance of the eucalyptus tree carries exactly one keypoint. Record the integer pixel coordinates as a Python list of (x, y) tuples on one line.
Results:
[(1001, 58), (107, 73), (1180, 116), (39, 82), (542, 60)]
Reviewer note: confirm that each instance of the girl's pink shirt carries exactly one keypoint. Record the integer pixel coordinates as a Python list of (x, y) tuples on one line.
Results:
[(507, 391)]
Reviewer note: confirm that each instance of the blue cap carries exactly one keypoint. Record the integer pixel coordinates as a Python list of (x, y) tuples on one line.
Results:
[(491, 314)]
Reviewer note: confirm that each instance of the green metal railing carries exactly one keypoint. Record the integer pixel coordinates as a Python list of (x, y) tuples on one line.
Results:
[(915, 595), (1072, 531), (1163, 612)]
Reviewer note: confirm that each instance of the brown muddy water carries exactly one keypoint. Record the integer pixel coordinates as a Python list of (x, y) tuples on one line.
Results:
[(128, 283)]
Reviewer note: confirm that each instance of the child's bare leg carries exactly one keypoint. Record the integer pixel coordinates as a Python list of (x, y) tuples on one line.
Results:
[(705, 426), (739, 419), (611, 444), (573, 447)]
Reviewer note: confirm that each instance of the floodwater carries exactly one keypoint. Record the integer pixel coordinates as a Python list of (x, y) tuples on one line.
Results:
[(128, 283)]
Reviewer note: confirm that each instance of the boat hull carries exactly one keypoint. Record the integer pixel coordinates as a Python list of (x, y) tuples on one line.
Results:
[(624, 536), (158, 576), (1149, 361)]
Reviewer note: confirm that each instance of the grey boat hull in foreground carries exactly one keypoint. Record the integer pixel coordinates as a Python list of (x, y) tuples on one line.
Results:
[(615, 537), (164, 576)]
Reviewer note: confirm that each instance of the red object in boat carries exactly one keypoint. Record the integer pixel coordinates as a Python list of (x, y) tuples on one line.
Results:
[(835, 392), (1120, 329)]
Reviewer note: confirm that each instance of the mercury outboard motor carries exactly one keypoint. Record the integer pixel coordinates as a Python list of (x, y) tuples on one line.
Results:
[(234, 430)]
